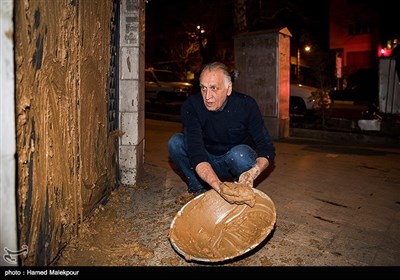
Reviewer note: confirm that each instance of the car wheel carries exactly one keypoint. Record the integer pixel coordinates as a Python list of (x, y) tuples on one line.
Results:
[(162, 99)]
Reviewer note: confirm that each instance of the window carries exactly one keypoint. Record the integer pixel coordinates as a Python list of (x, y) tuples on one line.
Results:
[(361, 27)]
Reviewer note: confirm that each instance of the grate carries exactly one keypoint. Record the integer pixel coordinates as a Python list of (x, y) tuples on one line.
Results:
[(113, 75)]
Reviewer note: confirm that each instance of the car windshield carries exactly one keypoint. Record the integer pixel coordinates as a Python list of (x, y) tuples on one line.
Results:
[(149, 77), (166, 76)]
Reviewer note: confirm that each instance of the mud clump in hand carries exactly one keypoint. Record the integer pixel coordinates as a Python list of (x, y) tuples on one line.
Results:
[(238, 193)]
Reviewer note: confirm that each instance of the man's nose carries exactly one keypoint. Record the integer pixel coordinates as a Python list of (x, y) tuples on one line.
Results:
[(208, 93)]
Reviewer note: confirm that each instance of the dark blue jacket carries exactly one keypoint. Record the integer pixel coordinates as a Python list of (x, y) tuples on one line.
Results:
[(240, 122)]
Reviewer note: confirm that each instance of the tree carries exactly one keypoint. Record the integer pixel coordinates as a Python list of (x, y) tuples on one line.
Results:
[(321, 63), (239, 16)]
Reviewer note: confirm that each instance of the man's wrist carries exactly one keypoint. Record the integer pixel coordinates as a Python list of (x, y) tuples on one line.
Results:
[(218, 189)]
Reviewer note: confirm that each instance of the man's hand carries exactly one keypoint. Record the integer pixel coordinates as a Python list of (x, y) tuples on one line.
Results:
[(249, 176), (238, 193)]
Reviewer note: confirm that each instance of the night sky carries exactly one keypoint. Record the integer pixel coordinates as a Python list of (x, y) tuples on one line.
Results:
[(166, 19)]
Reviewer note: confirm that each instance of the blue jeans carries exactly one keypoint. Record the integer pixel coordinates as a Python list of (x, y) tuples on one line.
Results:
[(228, 166)]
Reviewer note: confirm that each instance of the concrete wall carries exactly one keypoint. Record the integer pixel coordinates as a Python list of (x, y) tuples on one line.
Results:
[(389, 86), (131, 93), (263, 61)]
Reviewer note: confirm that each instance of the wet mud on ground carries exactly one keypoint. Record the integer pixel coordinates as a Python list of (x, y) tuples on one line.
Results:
[(132, 228), (337, 205)]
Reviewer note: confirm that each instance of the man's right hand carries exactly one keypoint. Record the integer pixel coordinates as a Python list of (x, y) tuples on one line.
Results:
[(238, 193)]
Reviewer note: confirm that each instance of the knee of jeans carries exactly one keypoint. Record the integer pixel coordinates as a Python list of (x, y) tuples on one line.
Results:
[(175, 142), (197, 190), (241, 158), (240, 152)]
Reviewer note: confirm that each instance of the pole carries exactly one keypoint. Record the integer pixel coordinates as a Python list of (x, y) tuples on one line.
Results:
[(298, 65)]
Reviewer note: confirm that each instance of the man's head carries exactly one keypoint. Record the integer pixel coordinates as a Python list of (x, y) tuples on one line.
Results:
[(215, 85)]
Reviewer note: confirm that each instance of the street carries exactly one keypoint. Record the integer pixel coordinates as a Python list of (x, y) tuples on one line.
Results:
[(336, 205)]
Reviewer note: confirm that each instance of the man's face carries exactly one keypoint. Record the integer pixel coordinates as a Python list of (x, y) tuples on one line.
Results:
[(214, 89)]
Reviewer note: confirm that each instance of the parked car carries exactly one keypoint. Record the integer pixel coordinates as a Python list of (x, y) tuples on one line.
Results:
[(362, 88), (165, 86), (301, 100)]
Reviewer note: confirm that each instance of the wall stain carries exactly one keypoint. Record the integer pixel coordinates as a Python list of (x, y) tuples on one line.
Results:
[(128, 63), (38, 54), (36, 24)]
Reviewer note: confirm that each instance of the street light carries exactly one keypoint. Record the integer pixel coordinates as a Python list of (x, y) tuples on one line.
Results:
[(202, 40), (200, 36), (306, 49), (200, 29)]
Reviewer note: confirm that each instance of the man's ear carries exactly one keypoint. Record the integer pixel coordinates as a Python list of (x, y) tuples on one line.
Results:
[(229, 89)]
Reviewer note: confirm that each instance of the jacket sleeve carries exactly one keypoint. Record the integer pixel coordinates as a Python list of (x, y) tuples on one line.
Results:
[(258, 131), (193, 133)]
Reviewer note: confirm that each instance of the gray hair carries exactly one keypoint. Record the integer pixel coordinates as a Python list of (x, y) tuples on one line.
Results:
[(229, 75)]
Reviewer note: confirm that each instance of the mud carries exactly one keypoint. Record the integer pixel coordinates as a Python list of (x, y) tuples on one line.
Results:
[(209, 228), (66, 155)]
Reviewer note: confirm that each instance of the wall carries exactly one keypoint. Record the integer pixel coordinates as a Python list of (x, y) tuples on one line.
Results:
[(66, 156), (354, 48), (8, 236), (389, 86), (263, 61), (131, 90)]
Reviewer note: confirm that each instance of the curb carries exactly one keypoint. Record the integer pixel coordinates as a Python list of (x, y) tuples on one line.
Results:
[(390, 141), (347, 137)]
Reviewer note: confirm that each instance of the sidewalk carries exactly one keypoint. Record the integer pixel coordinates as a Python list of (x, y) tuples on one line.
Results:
[(336, 204)]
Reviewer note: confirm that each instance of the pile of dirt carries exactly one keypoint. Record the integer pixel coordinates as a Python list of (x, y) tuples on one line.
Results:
[(108, 237)]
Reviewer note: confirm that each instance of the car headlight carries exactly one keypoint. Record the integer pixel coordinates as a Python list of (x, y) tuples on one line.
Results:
[(182, 89)]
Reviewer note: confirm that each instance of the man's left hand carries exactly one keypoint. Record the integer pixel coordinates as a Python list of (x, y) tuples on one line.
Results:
[(249, 176)]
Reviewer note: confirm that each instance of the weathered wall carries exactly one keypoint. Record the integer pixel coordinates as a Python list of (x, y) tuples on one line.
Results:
[(66, 158), (8, 229), (131, 90), (263, 60), (389, 86)]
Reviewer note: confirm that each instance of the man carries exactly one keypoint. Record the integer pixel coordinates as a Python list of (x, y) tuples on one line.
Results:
[(224, 138)]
